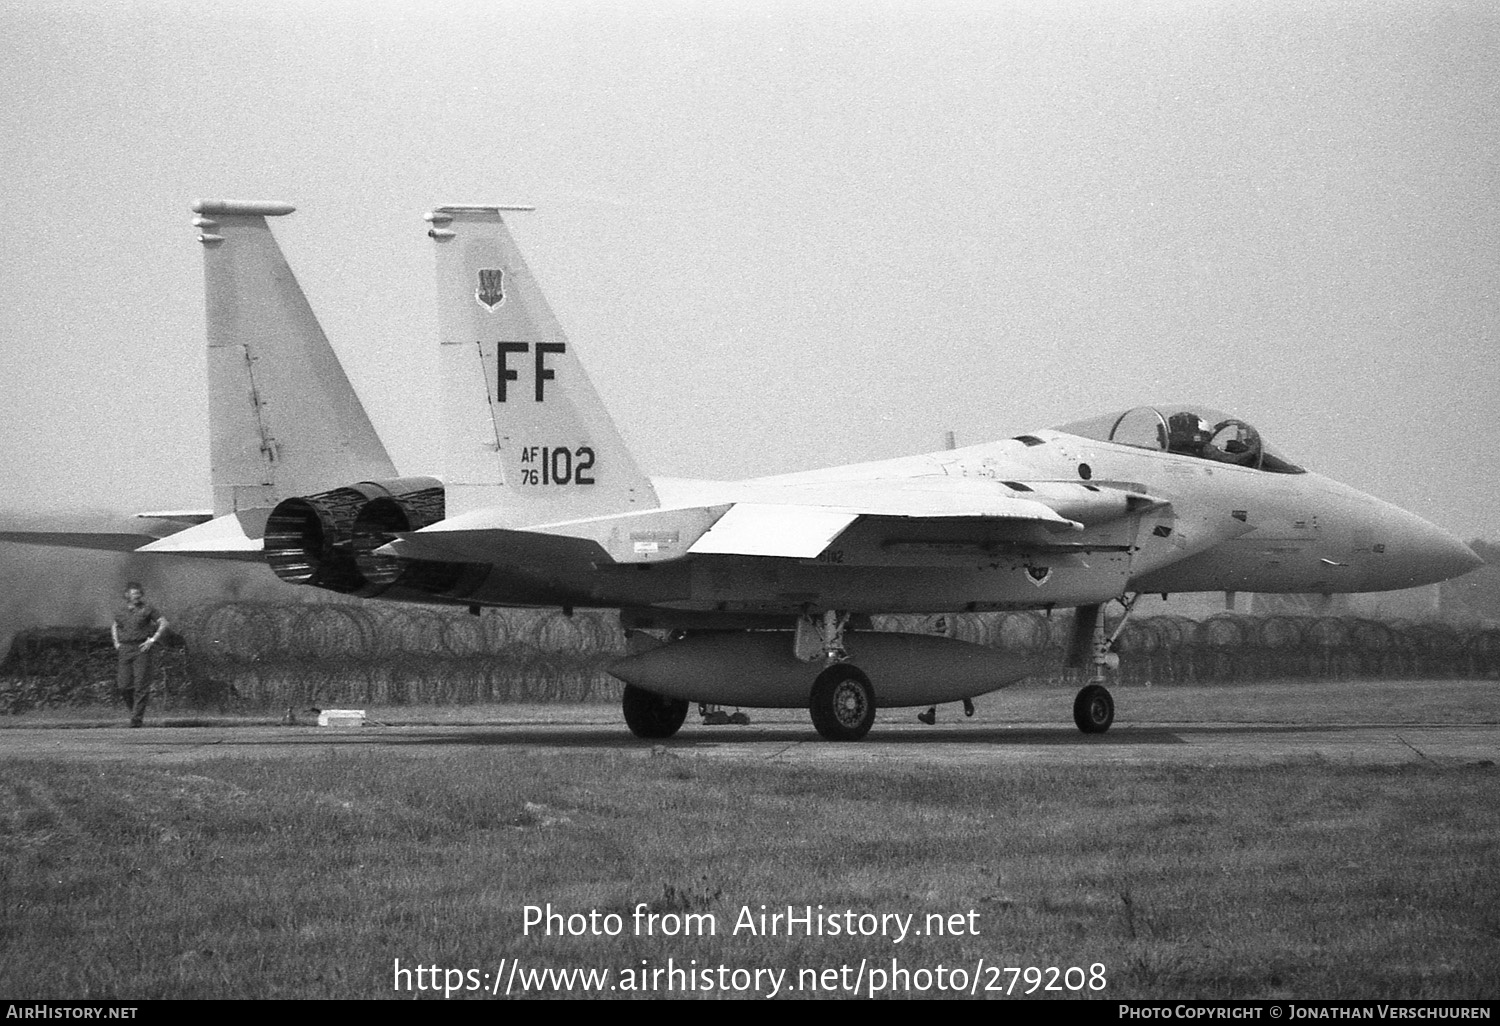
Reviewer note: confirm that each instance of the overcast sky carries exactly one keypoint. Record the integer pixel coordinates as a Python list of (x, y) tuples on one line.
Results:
[(782, 235)]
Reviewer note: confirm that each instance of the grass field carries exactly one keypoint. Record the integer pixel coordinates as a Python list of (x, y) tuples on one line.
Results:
[(244, 877)]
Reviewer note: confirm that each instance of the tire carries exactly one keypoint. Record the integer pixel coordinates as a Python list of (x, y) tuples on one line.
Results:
[(842, 703), (1094, 709), (652, 716)]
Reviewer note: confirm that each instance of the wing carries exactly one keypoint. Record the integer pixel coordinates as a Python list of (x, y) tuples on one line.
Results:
[(926, 514), (801, 522)]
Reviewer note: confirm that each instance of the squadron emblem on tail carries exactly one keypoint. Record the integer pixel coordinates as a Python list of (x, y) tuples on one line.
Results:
[(491, 291)]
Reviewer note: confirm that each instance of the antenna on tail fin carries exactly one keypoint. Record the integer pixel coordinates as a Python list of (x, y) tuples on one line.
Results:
[(525, 432), (283, 418)]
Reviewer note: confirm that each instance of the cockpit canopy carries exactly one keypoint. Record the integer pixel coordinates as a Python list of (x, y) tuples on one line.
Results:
[(1187, 430)]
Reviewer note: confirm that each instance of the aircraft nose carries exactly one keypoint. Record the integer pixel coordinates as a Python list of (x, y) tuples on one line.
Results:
[(1435, 555), (1453, 557)]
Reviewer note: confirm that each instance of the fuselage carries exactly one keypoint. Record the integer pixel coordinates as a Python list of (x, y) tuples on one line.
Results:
[(1216, 527)]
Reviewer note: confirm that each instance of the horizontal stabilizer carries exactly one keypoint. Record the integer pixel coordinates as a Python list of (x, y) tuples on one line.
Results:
[(100, 532), (181, 516), (98, 541), (235, 536)]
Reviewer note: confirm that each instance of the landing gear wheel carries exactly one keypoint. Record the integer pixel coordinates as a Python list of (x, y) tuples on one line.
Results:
[(1094, 709), (843, 703), (650, 715)]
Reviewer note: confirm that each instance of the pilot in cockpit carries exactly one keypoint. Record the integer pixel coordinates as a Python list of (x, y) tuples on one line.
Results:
[(1186, 434)]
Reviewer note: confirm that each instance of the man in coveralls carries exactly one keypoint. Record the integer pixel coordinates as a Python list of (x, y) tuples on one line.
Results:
[(136, 629)]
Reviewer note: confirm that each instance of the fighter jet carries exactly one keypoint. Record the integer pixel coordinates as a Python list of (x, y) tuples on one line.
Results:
[(751, 593)]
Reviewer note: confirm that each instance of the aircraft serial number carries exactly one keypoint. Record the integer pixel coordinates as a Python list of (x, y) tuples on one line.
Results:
[(548, 465)]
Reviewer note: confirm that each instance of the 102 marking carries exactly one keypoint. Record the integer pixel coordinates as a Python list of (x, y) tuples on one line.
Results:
[(557, 465)]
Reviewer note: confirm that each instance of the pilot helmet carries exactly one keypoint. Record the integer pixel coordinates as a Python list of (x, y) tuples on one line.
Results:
[(1186, 425)]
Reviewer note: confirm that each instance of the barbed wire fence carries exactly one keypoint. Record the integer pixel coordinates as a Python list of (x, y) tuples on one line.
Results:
[(261, 656)]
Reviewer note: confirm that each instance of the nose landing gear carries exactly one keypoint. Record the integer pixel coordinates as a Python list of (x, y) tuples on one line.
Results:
[(1094, 706), (1094, 709)]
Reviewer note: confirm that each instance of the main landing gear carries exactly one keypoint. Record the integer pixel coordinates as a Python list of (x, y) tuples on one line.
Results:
[(842, 703), (1093, 706), (841, 700)]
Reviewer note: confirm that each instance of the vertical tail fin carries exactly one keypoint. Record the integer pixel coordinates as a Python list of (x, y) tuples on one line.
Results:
[(525, 432), (283, 418)]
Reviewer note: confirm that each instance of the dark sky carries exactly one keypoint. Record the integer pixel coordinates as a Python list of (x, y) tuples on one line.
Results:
[(782, 235)]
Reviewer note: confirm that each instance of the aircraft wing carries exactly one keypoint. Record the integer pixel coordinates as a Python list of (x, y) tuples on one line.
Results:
[(792, 522), (808, 519), (758, 529), (801, 521)]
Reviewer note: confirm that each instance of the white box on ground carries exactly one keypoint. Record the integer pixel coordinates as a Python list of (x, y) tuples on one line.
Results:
[(341, 718)]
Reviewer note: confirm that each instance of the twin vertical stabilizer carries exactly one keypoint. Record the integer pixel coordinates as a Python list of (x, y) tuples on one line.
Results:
[(525, 434), (283, 418)]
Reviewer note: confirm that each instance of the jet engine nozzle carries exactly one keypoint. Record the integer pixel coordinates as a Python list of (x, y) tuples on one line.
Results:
[(379, 521), (328, 540)]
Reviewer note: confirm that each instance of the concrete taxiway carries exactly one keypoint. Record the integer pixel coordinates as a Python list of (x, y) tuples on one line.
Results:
[(958, 743)]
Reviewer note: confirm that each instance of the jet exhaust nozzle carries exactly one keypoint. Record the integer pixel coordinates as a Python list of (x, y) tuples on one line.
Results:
[(329, 540)]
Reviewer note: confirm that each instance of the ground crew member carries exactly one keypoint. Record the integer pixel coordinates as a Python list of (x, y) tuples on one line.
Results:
[(136, 629)]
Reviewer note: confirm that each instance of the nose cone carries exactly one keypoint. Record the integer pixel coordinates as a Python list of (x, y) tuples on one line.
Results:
[(1452, 558), (1423, 553)]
